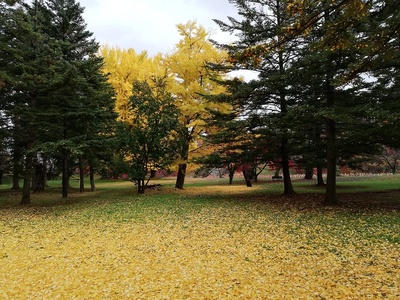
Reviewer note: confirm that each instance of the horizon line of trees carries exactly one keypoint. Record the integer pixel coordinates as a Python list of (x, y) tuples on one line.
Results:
[(327, 91)]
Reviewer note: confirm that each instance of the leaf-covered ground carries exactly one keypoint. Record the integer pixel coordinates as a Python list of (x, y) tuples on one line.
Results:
[(205, 243)]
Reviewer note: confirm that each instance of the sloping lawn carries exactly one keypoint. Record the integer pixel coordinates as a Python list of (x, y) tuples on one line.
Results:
[(206, 242)]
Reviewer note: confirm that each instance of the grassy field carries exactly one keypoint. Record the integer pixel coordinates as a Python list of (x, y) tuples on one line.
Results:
[(209, 241)]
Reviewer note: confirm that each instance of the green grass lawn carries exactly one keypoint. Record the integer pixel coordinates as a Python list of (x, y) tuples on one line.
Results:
[(209, 241)]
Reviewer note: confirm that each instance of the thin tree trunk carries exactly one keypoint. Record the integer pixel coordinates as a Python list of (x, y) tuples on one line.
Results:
[(65, 175), (92, 183), (141, 186), (231, 170), (16, 171), (231, 174), (320, 178), (1, 176), (34, 173), (330, 193), (81, 175), (45, 183), (255, 174), (287, 181), (26, 190)]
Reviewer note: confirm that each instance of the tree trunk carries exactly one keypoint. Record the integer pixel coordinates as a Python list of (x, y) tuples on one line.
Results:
[(65, 175), (91, 175), (45, 183), (1, 176), (247, 179), (320, 178), (309, 173), (231, 174), (330, 193), (39, 178), (26, 190), (34, 179), (180, 179), (287, 181), (16, 171), (277, 170), (231, 170), (141, 186), (255, 174), (81, 175)]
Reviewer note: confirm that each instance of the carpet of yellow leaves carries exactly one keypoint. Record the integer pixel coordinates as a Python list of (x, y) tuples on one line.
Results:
[(244, 252)]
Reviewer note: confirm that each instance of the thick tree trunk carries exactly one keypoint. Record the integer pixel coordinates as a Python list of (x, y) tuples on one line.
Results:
[(65, 175), (180, 179), (92, 183), (81, 175), (26, 190), (247, 179)]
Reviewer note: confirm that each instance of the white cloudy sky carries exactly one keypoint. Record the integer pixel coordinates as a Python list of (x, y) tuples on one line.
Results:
[(151, 24)]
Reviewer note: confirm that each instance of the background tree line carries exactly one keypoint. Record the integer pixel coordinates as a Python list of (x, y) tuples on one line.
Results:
[(326, 92)]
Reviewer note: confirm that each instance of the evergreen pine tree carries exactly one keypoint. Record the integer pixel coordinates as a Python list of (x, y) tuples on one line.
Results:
[(265, 102), (82, 106)]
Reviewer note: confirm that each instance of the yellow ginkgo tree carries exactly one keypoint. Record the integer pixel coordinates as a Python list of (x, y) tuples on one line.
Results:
[(192, 82), (125, 67)]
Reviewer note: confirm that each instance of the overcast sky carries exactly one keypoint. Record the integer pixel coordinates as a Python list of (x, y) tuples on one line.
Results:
[(151, 24)]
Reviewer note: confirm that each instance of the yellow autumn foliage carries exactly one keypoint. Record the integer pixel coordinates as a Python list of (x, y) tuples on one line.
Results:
[(193, 80), (124, 67), (220, 251)]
